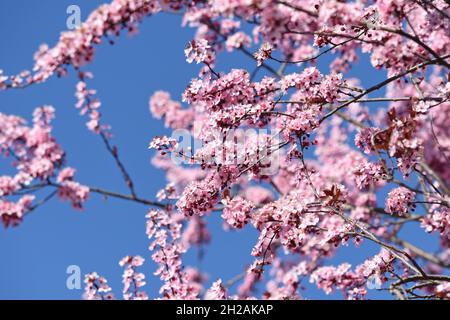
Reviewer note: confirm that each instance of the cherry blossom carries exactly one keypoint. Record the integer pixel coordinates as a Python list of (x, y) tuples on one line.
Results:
[(399, 201), (290, 145), (97, 288), (236, 212), (263, 53), (216, 292), (164, 230), (131, 279), (197, 50)]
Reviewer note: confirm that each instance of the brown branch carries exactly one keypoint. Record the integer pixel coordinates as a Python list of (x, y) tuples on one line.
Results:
[(334, 46), (117, 195), (115, 154)]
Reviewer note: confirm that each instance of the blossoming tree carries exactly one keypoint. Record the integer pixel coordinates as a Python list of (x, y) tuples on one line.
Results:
[(311, 159)]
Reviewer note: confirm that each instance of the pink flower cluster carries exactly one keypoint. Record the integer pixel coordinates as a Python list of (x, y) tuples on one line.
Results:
[(312, 86), (162, 106), (216, 292), (324, 192), (76, 47), (263, 53), (11, 213), (131, 279), (96, 288), (438, 220), (368, 173), (443, 291), (196, 232), (36, 156), (236, 212), (164, 229), (163, 143), (198, 51), (399, 201), (366, 139), (71, 190), (237, 40), (352, 284), (89, 104), (199, 197)]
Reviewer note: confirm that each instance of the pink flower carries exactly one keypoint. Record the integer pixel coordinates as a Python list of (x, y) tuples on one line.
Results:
[(131, 279), (8, 185), (198, 51), (237, 40), (236, 212), (443, 290), (196, 232), (366, 139), (96, 288), (421, 106), (198, 197), (258, 195), (438, 220), (216, 292), (399, 201), (263, 53), (164, 230), (163, 143), (70, 190), (65, 175), (368, 173), (11, 213), (161, 105)]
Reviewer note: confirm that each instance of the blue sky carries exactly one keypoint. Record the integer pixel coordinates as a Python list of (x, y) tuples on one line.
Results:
[(35, 255)]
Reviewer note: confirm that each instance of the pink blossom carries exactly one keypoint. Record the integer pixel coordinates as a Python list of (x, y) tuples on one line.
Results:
[(196, 232), (216, 292), (164, 230), (368, 174), (237, 40), (336, 144), (162, 106), (439, 220), (198, 197), (163, 143), (198, 51), (263, 53), (399, 201), (236, 212), (11, 213), (96, 288), (258, 195), (421, 106), (131, 279), (65, 174)]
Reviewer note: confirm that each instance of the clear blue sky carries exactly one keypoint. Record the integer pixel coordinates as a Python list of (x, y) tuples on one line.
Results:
[(34, 256)]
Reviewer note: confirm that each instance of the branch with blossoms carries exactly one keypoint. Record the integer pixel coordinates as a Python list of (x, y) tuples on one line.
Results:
[(311, 160)]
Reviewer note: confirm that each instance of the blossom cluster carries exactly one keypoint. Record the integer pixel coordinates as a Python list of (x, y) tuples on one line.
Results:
[(71, 190), (131, 279), (353, 283), (76, 47), (164, 228), (96, 287), (310, 177), (236, 212), (37, 157), (399, 201)]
